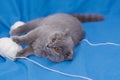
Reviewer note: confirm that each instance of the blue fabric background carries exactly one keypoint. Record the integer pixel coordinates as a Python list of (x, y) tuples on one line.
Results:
[(98, 63)]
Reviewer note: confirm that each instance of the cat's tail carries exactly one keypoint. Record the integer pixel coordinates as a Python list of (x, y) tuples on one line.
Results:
[(88, 17)]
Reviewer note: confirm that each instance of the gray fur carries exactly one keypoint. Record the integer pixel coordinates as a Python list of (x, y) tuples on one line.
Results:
[(65, 28)]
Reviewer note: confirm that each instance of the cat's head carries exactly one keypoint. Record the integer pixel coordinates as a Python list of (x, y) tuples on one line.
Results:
[(59, 47)]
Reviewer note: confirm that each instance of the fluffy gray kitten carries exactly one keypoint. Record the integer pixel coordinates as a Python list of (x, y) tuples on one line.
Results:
[(53, 37)]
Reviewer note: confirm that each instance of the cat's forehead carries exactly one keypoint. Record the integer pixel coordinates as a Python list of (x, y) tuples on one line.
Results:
[(57, 35), (60, 43)]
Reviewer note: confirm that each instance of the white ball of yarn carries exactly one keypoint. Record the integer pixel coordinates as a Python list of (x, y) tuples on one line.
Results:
[(8, 48)]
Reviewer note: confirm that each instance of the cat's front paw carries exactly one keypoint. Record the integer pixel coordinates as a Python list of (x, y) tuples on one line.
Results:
[(13, 33), (15, 28), (16, 39), (20, 54)]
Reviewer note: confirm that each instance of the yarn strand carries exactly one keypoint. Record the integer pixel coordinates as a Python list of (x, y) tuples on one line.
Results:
[(56, 71), (100, 44)]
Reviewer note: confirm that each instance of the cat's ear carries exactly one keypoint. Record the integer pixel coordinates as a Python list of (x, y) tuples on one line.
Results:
[(66, 33)]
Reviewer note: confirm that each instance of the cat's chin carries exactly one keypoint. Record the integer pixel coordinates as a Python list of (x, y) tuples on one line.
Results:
[(56, 58)]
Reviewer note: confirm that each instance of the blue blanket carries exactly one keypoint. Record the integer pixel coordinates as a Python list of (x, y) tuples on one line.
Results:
[(98, 63)]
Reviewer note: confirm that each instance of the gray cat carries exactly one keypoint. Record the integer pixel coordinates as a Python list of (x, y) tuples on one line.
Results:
[(53, 37)]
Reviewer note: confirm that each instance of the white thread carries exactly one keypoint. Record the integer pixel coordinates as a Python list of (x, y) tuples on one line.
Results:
[(56, 71), (67, 74), (100, 44)]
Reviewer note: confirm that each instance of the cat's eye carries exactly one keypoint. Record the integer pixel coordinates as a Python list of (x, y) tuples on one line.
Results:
[(57, 49), (54, 39)]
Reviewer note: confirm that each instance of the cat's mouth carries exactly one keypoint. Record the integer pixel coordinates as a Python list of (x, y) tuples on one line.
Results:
[(56, 58), (68, 56), (59, 58)]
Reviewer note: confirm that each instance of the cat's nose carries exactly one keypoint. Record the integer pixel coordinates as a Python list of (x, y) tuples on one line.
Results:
[(48, 45)]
